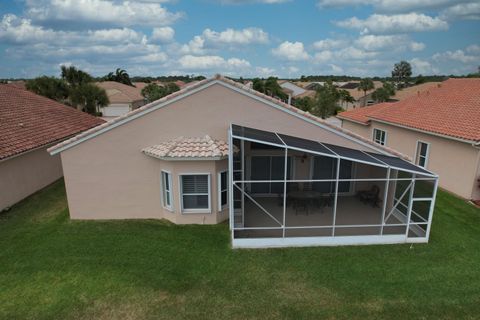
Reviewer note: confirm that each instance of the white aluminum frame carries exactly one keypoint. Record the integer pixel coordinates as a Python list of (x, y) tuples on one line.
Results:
[(385, 135), (220, 190), (164, 191), (417, 155), (180, 192), (333, 239)]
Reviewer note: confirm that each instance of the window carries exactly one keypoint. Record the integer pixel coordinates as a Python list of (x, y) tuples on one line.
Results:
[(422, 154), (167, 189), (380, 136), (222, 190), (269, 168), (195, 189)]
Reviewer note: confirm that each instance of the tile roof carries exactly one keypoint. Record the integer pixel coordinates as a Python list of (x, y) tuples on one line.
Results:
[(181, 147), (121, 93), (410, 91), (287, 107), (29, 121), (451, 109), (361, 115)]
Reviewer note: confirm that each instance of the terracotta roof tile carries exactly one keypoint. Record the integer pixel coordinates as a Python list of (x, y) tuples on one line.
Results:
[(451, 109), (361, 115), (29, 121), (204, 147)]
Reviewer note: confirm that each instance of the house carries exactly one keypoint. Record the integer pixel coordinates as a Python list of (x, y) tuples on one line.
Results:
[(404, 93), (123, 98), (218, 151), (438, 128), (291, 89), (29, 124)]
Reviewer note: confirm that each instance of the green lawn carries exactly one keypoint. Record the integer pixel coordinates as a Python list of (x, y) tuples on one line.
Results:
[(54, 268)]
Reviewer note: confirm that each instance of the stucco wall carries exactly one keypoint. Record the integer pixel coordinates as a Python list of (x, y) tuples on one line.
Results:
[(23, 175), (455, 162), (109, 177)]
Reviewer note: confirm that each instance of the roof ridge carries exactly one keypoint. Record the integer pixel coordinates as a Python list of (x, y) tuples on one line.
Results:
[(243, 87)]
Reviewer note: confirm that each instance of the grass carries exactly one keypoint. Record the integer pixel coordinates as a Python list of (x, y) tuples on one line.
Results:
[(55, 268)]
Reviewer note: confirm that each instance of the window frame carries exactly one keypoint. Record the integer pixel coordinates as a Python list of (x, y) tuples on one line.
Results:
[(418, 149), (197, 210), (374, 136), (164, 190), (220, 190)]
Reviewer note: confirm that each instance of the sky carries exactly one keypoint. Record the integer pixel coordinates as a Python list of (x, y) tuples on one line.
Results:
[(249, 38)]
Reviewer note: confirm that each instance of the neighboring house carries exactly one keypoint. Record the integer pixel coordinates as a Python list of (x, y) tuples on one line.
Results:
[(29, 124), (123, 98), (218, 150), (438, 128), (404, 93), (291, 89)]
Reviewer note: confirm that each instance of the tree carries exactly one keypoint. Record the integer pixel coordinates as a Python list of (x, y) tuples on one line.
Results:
[(401, 73), (120, 75), (384, 93), (74, 77), (154, 92), (326, 101), (49, 87), (269, 87), (345, 97), (304, 103), (89, 98), (365, 85)]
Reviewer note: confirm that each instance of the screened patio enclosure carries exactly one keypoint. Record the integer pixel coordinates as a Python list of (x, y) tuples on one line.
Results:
[(290, 191)]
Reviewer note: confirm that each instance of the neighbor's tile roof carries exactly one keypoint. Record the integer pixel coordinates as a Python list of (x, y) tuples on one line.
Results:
[(121, 93), (29, 121), (361, 115), (204, 147), (240, 86), (413, 90), (451, 109)]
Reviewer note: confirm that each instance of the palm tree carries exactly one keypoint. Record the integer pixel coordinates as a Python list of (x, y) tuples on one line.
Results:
[(365, 85), (345, 97), (89, 98), (75, 77), (120, 75)]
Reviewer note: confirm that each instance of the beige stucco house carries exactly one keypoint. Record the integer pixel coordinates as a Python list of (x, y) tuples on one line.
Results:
[(29, 124), (218, 150), (439, 128), (123, 98)]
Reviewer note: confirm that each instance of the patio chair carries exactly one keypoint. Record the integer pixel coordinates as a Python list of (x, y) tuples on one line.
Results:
[(370, 196)]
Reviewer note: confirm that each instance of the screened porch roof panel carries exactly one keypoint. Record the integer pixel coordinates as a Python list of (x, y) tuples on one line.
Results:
[(317, 147)]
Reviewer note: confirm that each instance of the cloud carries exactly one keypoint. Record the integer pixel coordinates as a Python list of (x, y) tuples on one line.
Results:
[(327, 44), (394, 5), (252, 1), (115, 13), (388, 42), (236, 37), (464, 11), (292, 51), (457, 55), (400, 23), (424, 67), (190, 62), (264, 72), (162, 34)]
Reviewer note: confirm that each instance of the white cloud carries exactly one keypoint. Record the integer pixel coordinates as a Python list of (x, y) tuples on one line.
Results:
[(190, 62), (388, 42), (400, 23), (464, 11), (292, 51), (327, 44), (235, 37), (264, 72), (457, 55), (194, 46), (252, 1), (163, 34), (424, 67), (474, 49), (124, 13), (323, 56), (394, 5)]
